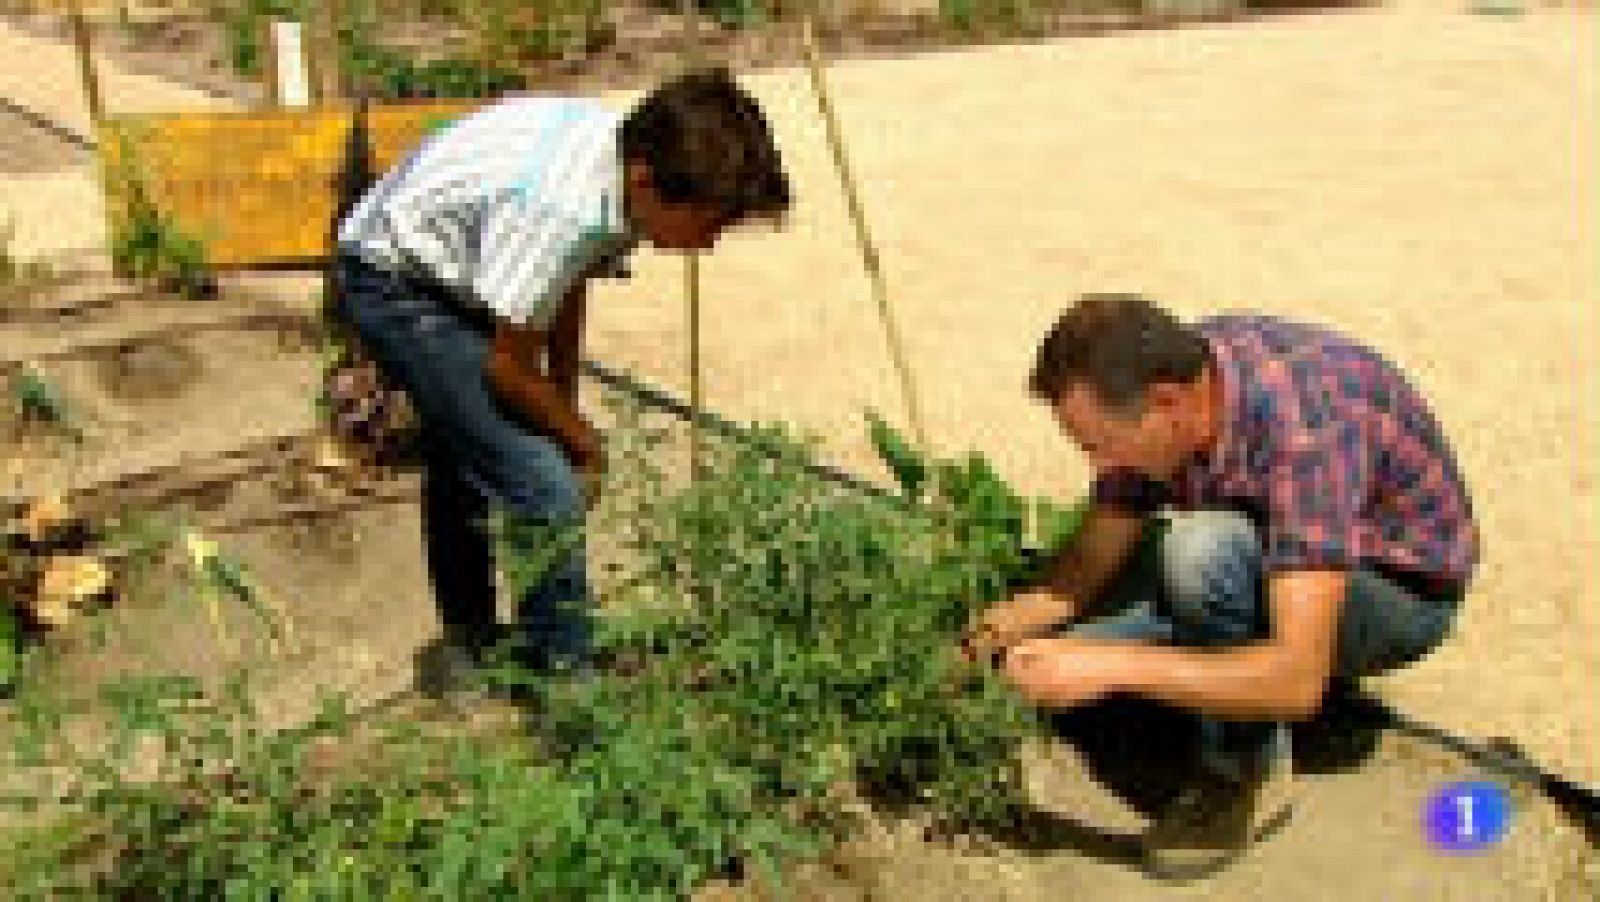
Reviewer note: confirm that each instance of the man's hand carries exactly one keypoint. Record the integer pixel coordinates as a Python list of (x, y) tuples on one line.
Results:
[(1077, 574), (1067, 671), (1013, 620)]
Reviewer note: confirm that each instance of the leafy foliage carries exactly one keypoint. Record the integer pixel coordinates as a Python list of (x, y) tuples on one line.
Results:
[(979, 17), (35, 398), (739, 13), (10, 647), (244, 22), (17, 272), (147, 243), (383, 72), (773, 651)]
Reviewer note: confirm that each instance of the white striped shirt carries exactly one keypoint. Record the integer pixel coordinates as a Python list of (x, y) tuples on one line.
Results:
[(509, 207)]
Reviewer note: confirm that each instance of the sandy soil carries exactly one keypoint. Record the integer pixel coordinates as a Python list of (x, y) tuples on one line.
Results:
[(1419, 179), (1415, 175)]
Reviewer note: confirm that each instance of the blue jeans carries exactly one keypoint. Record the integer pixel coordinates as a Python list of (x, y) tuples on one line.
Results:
[(476, 457), (1206, 592)]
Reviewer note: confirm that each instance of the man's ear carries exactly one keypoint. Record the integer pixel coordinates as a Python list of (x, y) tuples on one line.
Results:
[(1168, 398), (637, 175)]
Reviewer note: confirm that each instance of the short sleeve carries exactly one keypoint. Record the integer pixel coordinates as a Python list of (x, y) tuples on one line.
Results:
[(529, 258), (1316, 490)]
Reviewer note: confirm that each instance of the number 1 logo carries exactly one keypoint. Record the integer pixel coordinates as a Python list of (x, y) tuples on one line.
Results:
[(1468, 816)]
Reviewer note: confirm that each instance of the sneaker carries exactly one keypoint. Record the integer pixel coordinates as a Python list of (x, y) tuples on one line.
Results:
[(448, 672), (1213, 820)]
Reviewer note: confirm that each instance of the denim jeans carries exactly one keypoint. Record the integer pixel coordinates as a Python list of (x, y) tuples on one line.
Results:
[(477, 457), (1200, 586)]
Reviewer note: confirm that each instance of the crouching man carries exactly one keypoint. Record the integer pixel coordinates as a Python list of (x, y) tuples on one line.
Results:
[(1316, 529)]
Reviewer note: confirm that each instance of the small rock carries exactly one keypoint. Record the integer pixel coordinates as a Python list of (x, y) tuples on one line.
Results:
[(69, 585)]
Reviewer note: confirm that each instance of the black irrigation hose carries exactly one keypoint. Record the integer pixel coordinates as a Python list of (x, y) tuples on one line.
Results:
[(1499, 756), (44, 123), (717, 425)]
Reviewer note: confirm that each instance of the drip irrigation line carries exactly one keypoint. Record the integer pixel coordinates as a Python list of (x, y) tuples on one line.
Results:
[(44, 123), (659, 399)]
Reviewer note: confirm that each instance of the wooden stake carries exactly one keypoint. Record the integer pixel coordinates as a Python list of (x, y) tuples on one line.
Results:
[(869, 253), (693, 55), (691, 275), (267, 37), (327, 17), (91, 82), (288, 80)]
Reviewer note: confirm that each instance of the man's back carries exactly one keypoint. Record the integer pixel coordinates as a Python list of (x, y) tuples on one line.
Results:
[(494, 205), (1337, 449)]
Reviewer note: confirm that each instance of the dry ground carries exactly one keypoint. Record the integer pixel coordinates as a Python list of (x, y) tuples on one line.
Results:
[(1418, 176)]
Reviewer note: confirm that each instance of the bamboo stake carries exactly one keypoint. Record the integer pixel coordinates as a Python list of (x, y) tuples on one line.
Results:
[(691, 276), (328, 15), (267, 35), (869, 253), (91, 82), (693, 55)]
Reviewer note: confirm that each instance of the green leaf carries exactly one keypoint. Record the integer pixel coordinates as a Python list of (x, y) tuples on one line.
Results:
[(907, 466), (10, 647), (1056, 526)]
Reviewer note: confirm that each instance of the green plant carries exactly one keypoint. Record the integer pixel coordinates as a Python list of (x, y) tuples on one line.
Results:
[(243, 25), (522, 31), (739, 13), (388, 74), (10, 647), (15, 271), (35, 398), (147, 243), (988, 16), (773, 650)]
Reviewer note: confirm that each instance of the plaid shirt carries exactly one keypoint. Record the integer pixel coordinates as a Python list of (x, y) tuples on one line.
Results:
[(1334, 455)]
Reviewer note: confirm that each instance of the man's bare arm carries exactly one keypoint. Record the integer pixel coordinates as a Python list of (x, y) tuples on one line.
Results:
[(1280, 678), (1082, 570), (565, 343), (515, 373), (1073, 580)]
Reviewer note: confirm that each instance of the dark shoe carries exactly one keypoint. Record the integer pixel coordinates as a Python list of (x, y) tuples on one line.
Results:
[(1214, 819), (1344, 734), (448, 672)]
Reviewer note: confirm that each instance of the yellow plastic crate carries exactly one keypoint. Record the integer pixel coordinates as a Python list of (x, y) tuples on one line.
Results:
[(258, 187)]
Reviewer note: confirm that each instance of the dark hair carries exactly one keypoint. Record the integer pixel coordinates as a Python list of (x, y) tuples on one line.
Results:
[(1118, 345), (707, 143)]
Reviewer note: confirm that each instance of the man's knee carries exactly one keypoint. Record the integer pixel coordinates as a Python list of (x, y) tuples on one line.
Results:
[(1209, 558)]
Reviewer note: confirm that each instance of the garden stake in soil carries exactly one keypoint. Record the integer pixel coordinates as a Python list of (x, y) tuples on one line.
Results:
[(869, 253)]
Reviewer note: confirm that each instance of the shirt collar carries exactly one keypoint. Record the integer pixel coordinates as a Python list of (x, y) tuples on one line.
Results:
[(1224, 456)]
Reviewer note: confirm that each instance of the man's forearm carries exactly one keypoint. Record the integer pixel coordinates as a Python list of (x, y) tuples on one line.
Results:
[(545, 406), (564, 376), (1247, 682), (565, 347), (1081, 571)]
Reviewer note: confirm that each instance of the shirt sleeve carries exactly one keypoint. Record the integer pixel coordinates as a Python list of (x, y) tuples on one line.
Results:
[(529, 258), (1315, 497)]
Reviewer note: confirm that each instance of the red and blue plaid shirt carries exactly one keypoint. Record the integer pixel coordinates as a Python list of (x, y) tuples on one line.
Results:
[(1331, 451)]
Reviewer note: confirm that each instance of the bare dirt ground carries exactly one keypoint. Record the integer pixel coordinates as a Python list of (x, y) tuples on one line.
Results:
[(1417, 175)]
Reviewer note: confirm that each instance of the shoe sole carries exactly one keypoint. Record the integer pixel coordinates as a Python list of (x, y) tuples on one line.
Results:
[(1169, 871)]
